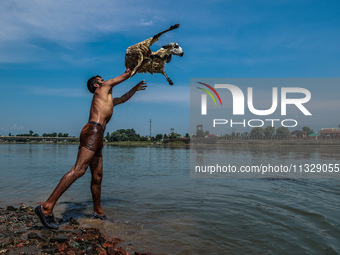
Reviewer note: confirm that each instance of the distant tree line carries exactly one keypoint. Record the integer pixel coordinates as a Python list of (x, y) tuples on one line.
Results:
[(118, 135), (279, 132), (55, 135), (31, 133), (270, 132), (172, 135), (124, 135), (131, 135), (260, 132)]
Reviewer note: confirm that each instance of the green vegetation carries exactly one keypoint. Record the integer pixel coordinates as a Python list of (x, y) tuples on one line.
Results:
[(307, 130), (283, 132), (200, 133), (124, 135), (159, 137), (129, 137), (174, 136), (269, 131), (261, 133), (257, 132), (31, 133), (55, 135)]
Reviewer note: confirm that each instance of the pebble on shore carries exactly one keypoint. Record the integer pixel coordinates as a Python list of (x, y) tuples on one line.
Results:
[(22, 233)]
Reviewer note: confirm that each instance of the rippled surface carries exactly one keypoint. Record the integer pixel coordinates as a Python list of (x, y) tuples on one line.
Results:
[(154, 205)]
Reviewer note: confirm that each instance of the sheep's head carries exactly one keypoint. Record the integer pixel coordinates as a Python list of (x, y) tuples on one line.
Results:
[(174, 49)]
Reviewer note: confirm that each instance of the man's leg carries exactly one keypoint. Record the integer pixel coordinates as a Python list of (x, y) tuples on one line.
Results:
[(96, 167), (84, 158)]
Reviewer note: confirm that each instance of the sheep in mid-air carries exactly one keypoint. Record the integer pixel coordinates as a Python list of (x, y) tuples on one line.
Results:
[(139, 57)]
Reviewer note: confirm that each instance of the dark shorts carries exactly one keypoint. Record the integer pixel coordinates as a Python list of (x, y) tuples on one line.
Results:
[(91, 137)]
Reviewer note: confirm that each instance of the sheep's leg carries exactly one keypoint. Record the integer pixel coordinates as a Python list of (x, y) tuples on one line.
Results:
[(140, 62), (168, 79), (155, 37), (144, 63)]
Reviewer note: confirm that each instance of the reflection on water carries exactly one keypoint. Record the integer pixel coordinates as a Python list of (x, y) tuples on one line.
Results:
[(154, 205)]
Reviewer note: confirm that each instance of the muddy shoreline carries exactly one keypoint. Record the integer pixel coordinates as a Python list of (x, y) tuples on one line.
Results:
[(22, 233)]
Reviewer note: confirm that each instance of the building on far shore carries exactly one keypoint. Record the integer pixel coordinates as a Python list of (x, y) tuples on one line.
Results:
[(329, 133), (313, 136), (298, 134)]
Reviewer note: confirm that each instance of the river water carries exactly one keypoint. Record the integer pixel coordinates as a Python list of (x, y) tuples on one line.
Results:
[(155, 205)]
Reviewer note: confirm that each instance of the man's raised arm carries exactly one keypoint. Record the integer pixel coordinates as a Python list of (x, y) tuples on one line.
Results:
[(115, 81), (119, 100)]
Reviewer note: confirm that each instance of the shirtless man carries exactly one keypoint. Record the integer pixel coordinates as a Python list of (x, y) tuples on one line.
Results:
[(91, 144)]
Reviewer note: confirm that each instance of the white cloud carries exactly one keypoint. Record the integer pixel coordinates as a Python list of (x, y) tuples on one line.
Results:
[(146, 22), (26, 26), (18, 127), (70, 20)]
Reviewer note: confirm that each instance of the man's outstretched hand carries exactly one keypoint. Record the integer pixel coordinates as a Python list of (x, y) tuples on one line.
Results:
[(141, 85), (119, 100), (127, 73)]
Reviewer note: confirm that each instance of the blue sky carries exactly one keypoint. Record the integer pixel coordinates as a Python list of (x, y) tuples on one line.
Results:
[(48, 50)]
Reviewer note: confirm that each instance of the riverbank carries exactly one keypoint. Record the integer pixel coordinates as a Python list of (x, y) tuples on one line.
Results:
[(146, 143), (121, 143), (22, 233)]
